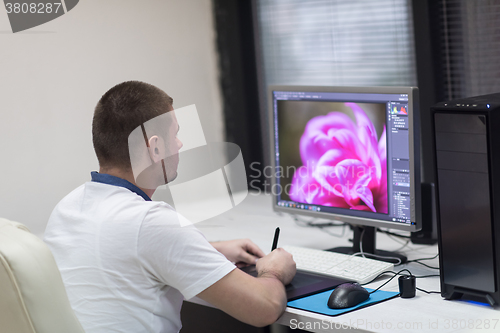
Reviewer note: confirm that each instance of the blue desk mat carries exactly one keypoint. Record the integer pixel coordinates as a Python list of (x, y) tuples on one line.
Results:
[(317, 303)]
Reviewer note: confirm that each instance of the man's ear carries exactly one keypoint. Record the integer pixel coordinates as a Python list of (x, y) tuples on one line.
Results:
[(156, 148)]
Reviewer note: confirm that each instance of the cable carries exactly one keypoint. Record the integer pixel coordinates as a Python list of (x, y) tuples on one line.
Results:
[(402, 247), (399, 273), (320, 226), (371, 254), (311, 224), (429, 292), (421, 263), (385, 272), (395, 274), (397, 240), (415, 260), (302, 223), (361, 243), (391, 272), (402, 242), (426, 276), (327, 224), (393, 233), (332, 234)]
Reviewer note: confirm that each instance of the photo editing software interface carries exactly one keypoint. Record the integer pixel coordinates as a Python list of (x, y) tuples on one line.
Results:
[(343, 153)]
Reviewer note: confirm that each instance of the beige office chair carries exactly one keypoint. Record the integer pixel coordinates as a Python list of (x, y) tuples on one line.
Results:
[(32, 294)]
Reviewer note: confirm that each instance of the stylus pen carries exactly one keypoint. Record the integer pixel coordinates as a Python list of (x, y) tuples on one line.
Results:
[(275, 241)]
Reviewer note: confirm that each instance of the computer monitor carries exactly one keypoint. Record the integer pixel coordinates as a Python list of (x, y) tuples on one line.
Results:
[(347, 154)]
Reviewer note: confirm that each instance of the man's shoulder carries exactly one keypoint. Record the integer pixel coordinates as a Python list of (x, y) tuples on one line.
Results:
[(163, 215), (71, 197), (107, 193), (101, 200)]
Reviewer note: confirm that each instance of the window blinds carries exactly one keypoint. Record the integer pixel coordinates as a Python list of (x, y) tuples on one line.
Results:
[(470, 47), (337, 43)]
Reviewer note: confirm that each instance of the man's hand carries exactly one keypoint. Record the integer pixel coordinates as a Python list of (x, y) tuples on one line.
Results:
[(256, 301), (278, 263), (239, 251)]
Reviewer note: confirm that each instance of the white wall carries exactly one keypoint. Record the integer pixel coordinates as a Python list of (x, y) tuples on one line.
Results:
[(52, 76)]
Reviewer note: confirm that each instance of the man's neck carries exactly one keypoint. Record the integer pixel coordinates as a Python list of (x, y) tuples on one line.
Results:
[(127, 175)]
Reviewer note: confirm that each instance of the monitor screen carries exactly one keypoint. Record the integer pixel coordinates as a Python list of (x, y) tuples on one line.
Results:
[(347, 153)]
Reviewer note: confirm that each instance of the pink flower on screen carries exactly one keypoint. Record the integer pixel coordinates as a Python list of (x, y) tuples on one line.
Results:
[(344, 165)]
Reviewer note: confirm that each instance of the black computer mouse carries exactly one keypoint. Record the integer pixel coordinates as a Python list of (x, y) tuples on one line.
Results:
[(347, 295)]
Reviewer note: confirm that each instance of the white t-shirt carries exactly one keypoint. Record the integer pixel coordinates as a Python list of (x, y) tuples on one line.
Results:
[(126, 263)]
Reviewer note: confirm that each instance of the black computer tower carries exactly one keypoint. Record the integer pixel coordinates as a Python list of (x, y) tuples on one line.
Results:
[(467, 147)]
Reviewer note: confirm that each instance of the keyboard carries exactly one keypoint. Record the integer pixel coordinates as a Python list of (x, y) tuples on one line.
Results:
[(338, 265)]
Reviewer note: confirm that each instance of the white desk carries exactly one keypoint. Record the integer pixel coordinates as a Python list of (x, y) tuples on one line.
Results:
[(255, 219)]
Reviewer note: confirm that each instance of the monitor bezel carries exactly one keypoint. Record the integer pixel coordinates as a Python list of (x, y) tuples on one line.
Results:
[(414, 141)]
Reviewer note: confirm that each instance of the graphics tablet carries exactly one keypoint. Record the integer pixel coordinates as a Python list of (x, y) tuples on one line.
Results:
[(304, 283)]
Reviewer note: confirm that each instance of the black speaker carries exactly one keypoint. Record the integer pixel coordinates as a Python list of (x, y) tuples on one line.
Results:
[(467, 141), (428, 233)]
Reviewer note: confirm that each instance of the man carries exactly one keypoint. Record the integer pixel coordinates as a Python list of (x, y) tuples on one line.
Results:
[(126, 262)]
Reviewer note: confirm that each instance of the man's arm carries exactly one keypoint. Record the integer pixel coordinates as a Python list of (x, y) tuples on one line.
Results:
[(256, 301), (240, 251)]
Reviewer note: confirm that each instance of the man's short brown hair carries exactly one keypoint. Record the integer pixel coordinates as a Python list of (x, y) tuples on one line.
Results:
[(119, 111)]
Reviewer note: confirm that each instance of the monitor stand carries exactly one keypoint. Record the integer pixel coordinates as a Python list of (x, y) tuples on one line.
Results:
[(369, 240)]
